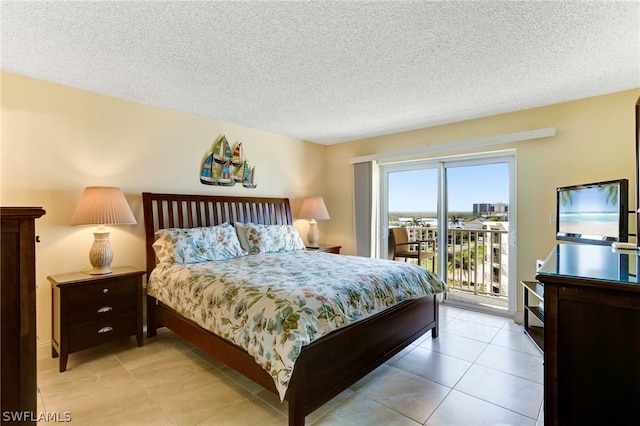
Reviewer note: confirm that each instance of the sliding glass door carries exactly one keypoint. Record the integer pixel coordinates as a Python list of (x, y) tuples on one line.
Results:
[(467, 205), (412, 203)]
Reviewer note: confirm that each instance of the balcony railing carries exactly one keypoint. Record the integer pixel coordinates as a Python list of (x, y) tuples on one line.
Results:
[(477, 259)]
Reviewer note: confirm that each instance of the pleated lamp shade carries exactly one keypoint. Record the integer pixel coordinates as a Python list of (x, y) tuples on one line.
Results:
[(314, 208), (102, 205)]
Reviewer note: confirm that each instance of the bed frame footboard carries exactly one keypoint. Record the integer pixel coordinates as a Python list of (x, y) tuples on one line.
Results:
[(330, 365)]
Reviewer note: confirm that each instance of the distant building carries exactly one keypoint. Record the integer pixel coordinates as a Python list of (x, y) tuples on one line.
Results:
[(497, 258), (490, 209)]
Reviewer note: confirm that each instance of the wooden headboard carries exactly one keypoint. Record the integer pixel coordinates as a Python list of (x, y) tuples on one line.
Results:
[(190, 211)]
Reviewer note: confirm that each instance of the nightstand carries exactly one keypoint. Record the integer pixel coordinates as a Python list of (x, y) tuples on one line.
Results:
[(89, 310), (326, 249)]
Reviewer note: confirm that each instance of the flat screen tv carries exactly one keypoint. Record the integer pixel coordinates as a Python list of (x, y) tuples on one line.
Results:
[(594, 213)]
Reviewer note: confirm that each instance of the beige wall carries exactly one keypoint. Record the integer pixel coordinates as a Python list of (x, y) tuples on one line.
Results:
[(594, 141), (56, 140)]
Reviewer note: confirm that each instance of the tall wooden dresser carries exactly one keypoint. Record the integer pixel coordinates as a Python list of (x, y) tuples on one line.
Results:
[(591, 336), (18, 310)]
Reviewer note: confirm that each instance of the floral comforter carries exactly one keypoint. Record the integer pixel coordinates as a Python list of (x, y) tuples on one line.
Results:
[(273, 304)]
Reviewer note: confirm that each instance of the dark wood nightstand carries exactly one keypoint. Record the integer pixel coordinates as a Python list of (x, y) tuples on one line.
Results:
[(89, 310), (326, 249)]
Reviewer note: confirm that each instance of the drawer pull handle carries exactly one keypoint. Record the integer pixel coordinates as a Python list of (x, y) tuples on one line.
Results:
[(105, 309), (105, 290), (105, 330)]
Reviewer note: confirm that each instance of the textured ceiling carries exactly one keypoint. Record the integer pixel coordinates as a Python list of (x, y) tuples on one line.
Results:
[(329, 72)]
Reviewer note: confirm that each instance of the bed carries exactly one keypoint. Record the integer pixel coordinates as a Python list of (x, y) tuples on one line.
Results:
[(324, 367)]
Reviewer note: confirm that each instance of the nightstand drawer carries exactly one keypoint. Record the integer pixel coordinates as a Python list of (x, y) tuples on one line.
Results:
[(102, 290), (101, 310), (102, 331)]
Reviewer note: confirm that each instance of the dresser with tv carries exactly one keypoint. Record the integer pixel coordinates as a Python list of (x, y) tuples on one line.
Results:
[(591, 335)]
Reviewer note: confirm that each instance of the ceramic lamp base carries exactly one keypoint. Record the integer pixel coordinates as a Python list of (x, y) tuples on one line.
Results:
[(101, 254), (312, 235)]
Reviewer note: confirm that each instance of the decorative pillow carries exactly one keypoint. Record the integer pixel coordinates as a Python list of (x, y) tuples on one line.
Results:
[(241, 230), (273, 238), (193, 245)]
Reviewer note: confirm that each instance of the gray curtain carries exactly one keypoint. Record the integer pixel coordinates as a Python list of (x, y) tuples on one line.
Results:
[(363, 207)]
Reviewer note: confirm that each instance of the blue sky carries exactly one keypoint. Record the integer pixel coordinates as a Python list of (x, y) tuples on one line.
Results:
[(589, 199), (417, 190)]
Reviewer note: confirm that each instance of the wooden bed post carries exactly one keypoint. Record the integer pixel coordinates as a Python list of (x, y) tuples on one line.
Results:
[(436, 306), (152, 325), (295, 394)]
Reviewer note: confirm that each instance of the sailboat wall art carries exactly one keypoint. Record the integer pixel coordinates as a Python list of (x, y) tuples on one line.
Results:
[(226, 167)]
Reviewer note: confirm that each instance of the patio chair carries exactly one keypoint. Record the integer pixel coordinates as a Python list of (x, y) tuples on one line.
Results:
[(424, 249)]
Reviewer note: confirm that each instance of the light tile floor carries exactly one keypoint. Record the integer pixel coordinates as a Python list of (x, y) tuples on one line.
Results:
[(482, 370)]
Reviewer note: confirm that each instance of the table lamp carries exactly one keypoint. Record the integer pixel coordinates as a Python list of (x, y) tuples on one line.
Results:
[(102, 205), (313, 208)]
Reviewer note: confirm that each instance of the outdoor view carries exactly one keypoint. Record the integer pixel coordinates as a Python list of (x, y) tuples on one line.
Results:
[(477, 236)]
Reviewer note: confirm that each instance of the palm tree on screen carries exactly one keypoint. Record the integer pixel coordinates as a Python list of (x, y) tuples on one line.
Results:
[(611, 192), (566, 197)]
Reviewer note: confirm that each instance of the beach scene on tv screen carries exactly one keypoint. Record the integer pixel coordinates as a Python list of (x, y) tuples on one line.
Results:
[(589, 211)]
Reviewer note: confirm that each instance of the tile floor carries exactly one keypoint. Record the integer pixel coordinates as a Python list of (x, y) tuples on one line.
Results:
[(481, 370)]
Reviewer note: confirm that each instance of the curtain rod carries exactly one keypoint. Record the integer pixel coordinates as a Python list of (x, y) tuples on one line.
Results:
[(467, 143)]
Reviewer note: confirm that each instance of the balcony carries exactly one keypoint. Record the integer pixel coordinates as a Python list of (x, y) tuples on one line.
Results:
[(477, 264)]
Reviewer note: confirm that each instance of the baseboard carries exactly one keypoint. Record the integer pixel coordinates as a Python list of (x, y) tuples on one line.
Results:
[(518, 318), (43, 350), (477, 308)]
